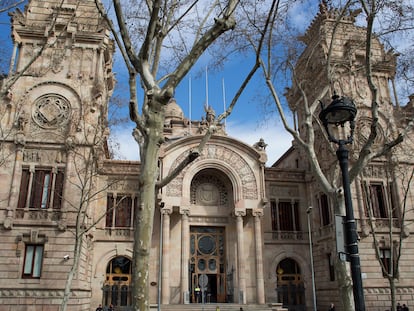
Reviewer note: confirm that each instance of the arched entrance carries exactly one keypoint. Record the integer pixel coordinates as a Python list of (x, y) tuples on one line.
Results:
[(207, 264), (117, 285), (290, 288)]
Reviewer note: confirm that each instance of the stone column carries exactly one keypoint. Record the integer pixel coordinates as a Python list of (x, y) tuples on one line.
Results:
[(29, 193), (67, 194), (259, 257), (15, 185), (165, 275), (240, 258), (185, 251), (13, 58)]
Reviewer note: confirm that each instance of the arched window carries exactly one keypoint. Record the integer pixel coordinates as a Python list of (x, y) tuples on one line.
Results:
[(210, 187), (290, 288), (117, 286)]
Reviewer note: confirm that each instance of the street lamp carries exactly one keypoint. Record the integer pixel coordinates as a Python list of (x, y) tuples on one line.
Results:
[(309, 211), (340, 111)]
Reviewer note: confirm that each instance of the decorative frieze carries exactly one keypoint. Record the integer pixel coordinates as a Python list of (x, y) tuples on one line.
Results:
[(51, 111), (209, 220), (374, 171), (226, 155), (279, 191), (43, 156), (26, 293), (121, 186), (38, 214)]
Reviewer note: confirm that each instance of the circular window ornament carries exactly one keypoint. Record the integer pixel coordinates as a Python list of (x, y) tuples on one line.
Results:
[(51, 111), (206, 244)]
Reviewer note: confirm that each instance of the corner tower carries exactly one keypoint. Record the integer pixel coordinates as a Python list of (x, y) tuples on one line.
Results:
[(62, 64), (53, 124), (59, 84), (336, 38)]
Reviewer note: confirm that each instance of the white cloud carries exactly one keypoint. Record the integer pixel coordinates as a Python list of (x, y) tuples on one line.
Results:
[(277, 139), (128, 147)]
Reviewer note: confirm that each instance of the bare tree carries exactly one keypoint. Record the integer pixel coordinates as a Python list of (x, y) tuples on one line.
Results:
[(157, 53), (389, 224), (86, 143), (7, 5), (154, 26), (82, 193), (309, 88)]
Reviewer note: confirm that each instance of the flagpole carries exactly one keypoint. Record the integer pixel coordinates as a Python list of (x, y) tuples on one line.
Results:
[(189, 101), (206, 87), (224, 102)]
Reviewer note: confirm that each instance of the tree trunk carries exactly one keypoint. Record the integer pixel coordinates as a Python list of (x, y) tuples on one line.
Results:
[(343, 274), (392, 290), (72, 272), (345, 285), (145, 214)]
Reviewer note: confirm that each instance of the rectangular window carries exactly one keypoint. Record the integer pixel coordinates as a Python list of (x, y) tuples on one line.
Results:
[(331, 268), (285, 216), (378, 202), (392, 200), (273, 209), (324, 209), (33, 261), (109, 210), (123, 211), (41, 188), (40, 193), (119, 210), (385, 256)]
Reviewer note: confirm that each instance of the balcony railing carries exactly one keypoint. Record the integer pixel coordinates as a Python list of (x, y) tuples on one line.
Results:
[(38, 214), (116, 231), (286, 235)]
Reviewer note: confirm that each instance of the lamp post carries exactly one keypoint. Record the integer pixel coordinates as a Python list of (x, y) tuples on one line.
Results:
[(340, 111), (308, 211)]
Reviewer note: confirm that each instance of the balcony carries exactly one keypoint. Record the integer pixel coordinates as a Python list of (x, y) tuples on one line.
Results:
[(286, 236), (38, 214)]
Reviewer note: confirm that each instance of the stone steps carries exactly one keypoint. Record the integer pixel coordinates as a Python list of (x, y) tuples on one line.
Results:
[(220, 307)]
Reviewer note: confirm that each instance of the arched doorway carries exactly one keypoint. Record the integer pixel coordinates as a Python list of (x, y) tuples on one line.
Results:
[(117, 285), (211, 193), (207, 264), (290, 288)]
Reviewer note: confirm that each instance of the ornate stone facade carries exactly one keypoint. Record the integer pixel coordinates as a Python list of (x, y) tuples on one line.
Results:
[(226, 223)]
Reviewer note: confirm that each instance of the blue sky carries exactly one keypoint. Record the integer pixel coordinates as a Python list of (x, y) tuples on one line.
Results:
[(246, 123), (249, 120)]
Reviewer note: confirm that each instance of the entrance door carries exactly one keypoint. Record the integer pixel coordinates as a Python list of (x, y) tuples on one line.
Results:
[(207, 264), (117, 286), (290, 288)]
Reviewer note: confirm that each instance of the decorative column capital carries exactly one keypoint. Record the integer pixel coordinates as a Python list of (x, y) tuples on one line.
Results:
[(166, 211), (258, 213), (185, 211), (20, 139), (70, 143), (241, 213)]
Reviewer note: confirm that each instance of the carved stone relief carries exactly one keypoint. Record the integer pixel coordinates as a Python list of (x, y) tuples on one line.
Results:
[(226, 155), (210, 220), (208, 190), (363, 129), (373, 171), (51, 111), (44, 156), (123, 185), (278, 191), (46, 115)]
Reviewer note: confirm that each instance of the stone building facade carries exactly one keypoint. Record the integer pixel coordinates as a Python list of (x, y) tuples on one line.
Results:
[(226, 223)]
